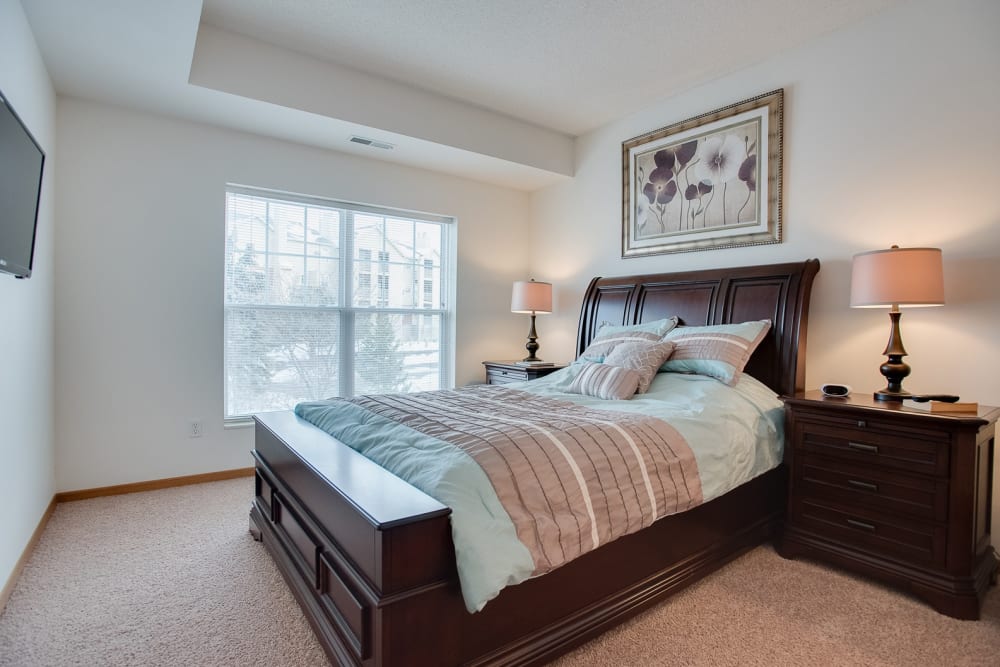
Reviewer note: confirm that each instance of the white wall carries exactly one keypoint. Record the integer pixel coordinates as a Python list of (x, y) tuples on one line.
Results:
[(891, 136), (140, 253), (26, 385)]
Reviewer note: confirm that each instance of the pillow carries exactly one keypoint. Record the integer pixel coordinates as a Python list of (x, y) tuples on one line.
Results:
[(603, 343), (612, 383), (719, 351), (658, 327), (641, 356)]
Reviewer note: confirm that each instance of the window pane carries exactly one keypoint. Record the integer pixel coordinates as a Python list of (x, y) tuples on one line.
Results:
[(276, 358), (323, 237), (396, 353), (404, 256), (246, 280)]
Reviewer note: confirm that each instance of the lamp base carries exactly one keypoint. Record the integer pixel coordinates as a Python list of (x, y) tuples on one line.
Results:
[(889, 395), (894, 369), (532, 345)]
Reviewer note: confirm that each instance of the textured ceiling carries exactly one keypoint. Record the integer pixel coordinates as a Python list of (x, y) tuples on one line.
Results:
[(568, 65), (492, 90)]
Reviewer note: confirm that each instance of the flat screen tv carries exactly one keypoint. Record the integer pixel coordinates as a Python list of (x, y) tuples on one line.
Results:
[(21, 164)]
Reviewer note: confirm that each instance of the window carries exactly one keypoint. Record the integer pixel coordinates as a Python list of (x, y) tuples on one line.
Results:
[(299, 319)]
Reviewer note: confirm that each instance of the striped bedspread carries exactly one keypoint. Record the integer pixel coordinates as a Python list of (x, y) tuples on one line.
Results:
[(570, 478)]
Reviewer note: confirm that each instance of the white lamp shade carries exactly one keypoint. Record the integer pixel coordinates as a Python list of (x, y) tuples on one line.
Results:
[(530, 296), (897, 276)]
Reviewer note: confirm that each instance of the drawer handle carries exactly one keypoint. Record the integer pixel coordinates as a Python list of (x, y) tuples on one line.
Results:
[(867, 486), (503, 372), (863, 447), (862, 525)]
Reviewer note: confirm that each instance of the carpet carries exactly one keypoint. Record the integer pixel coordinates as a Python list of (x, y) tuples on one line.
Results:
[(172, 577)]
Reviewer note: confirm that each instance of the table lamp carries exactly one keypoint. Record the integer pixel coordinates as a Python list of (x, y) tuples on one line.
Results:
[(531, 297), (896, 278)]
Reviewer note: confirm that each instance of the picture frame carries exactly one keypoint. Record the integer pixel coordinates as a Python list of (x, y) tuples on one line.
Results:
[(711, 181)]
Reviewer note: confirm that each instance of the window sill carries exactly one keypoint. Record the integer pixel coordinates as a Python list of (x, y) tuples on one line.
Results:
[(237, 422)]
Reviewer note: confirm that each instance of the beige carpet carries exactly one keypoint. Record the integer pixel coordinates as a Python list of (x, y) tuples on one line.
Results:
[(172, 578)]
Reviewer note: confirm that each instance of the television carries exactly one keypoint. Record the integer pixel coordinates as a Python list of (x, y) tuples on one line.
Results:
[(21, 163)]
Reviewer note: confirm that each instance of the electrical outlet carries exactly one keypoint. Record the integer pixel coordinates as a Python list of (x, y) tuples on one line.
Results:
[(194, 430)]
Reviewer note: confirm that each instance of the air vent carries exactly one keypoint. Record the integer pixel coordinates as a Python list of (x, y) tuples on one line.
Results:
[(364, 141)]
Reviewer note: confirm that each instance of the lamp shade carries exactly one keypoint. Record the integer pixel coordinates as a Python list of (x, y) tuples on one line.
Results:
[(532, 297), (897, 277)]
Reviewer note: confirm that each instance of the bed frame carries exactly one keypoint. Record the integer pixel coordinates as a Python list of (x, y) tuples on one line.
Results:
[(370, 558)]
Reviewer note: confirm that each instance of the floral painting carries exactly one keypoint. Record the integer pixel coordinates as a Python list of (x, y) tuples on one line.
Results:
[(708, 182)]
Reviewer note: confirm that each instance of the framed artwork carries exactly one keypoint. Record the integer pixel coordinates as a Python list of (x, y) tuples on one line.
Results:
[(712, 181)]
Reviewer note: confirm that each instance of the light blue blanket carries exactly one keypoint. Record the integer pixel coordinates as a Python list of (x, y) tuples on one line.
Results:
[(735, 433)]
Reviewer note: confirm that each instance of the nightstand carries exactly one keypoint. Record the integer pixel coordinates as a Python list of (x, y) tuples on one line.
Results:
[(894, 492), (502, 372)]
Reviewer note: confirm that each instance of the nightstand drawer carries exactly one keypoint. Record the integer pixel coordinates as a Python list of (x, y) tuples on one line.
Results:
[(912, 541), (503, 376), (841, 482), (869, 445)]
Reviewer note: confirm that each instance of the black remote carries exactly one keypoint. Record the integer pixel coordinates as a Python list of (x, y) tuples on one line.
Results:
[(944, 398)]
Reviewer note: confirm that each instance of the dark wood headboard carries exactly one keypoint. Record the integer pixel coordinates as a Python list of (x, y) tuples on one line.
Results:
[(776, 292)]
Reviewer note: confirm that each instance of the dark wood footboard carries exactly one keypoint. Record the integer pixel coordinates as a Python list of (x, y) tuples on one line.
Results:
[(371, 561)]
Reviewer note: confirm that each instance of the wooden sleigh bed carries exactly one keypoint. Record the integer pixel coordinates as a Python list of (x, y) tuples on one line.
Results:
[(370, 558)]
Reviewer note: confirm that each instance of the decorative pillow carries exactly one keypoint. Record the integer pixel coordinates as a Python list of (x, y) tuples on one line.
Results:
[(719, 351), (604, 343), (641, 356), (612, 383), (658, 327)]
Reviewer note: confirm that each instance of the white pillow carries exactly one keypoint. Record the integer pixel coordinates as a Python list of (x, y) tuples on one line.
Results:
[(641, 356)]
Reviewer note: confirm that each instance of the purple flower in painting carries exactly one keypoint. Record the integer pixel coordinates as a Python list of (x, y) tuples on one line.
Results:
[(685, 152), (699, 190), (748, 172), (720, 159), (661, 187)]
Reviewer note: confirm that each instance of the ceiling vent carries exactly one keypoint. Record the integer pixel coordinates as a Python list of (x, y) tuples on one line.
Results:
[(364, 141)]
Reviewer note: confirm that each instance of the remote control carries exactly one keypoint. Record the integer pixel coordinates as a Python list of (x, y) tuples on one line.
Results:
[(944, 398)]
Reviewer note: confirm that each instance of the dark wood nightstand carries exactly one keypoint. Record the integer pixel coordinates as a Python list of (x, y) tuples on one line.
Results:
[(894, 492), (502, 372)]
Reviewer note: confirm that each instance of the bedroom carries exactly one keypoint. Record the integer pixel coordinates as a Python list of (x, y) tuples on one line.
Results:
[(865, 105)]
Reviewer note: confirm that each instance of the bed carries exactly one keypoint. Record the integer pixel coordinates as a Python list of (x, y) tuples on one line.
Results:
[(371, 559)]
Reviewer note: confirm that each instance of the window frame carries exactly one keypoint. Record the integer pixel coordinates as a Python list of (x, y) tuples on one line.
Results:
[(346, 311)]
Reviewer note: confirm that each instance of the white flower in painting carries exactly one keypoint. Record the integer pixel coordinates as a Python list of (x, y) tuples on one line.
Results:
[(719, 159)]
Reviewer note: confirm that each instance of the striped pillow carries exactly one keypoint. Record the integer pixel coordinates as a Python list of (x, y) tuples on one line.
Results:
[(612, 383), (641, 356), (719, 351), (602, 344), (658, 327)]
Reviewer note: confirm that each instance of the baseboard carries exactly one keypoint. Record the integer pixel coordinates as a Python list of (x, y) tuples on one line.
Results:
[(152, 485), (8, 587)]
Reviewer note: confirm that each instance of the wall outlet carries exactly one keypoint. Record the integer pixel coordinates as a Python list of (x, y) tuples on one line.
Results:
[(194, 429)]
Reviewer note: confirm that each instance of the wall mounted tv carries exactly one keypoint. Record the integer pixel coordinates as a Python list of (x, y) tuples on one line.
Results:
[(21, 164)]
